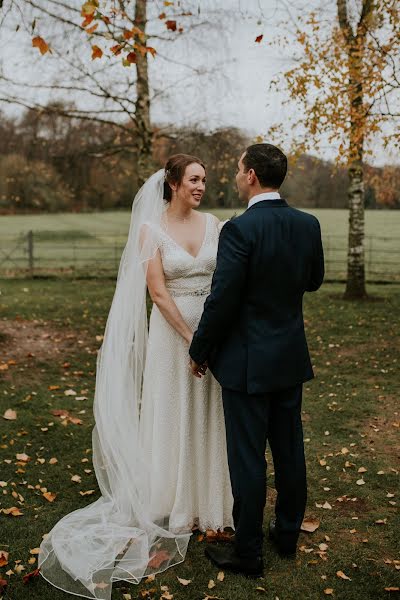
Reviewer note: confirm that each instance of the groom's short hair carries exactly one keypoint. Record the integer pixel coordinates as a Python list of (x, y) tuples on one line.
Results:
[(268, 162)]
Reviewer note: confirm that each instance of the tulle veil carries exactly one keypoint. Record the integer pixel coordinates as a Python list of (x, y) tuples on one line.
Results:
[(114, 538)]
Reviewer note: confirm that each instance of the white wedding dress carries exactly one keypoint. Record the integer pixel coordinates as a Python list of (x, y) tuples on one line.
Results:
[(159, 449), (182, 424)]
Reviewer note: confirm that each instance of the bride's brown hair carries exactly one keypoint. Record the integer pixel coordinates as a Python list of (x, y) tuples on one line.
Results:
[(175, 170)]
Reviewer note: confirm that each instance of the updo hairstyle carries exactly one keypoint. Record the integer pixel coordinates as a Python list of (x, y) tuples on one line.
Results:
[(175, 170)]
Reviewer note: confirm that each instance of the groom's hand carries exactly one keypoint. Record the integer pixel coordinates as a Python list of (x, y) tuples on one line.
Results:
[(198, 370)]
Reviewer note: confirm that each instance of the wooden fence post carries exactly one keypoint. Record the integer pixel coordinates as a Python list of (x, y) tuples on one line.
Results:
[(30, 253)]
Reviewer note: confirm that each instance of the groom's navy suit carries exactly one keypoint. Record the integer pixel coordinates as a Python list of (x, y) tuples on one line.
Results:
[(252, 335)]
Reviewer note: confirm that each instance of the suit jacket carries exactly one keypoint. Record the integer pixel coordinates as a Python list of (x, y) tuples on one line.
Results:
[(252, 329)]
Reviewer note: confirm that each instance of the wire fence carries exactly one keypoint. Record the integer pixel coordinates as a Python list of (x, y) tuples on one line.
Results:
[(67, 255)]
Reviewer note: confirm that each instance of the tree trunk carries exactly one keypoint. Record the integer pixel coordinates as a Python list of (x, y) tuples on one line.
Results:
[(355, 286), (142, 108)]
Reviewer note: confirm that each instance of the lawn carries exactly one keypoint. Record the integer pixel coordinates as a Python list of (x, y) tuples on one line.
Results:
[(49, 334), (92, 242)]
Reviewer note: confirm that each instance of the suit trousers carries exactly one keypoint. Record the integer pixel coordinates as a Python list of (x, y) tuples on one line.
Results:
[(252, 420)]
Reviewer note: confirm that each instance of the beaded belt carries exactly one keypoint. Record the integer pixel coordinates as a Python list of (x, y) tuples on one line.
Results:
[(188, 292)]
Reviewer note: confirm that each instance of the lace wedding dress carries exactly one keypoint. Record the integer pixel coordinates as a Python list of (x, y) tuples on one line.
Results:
[(182, 422)]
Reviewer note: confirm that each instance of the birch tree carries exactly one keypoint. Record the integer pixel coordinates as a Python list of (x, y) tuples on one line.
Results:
[(346, 85)]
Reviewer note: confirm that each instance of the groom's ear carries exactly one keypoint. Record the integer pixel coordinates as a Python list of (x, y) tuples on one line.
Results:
[(251, 176)]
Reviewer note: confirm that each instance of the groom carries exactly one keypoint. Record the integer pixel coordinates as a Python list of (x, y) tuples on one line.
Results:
[(251, 335)]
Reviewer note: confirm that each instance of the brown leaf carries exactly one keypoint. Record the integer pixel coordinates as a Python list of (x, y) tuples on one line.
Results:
[(259, 38), (157, 560), (3, 558), (96, 52), (131, 58), (38, 42), (328, 591), (13, 511), (310, 525), (26, 578), (171, 25), (3, 584)]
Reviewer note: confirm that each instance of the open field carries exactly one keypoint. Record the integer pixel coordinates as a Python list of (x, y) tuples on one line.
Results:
[(93, 242), (351, 420)]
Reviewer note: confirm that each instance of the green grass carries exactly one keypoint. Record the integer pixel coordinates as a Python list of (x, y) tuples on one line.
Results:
[(350, 414), (93, 242)]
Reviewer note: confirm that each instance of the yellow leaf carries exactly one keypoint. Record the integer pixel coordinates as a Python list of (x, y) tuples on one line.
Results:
[(211, 584), (49, 496), (35, 551), (341, 575), (221, 576), (328, 591)]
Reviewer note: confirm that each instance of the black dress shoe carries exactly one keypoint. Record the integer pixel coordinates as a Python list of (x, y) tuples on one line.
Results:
[(285, 544), (227, 559)]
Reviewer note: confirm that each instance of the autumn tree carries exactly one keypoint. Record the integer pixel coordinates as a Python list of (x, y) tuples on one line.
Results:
[(99, 54), (345, 83)]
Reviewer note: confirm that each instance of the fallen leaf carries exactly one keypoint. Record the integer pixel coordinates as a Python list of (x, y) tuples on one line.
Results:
[(49, 496), (70, 393), (23, 457), (10, 415), (3, 584), (328, 591), (362, 470), (35, 551), (53, 461), (221, 576), (211, 584), (341, 575), (29, 576), (310, 525), (18, 569), (392, 589), (323, 547), (13, 511), (87, 493), (76, 478), (184, 581), (261, 589), (157, 560), (381, 522), (327, 506), (360, 482), (3, 558)]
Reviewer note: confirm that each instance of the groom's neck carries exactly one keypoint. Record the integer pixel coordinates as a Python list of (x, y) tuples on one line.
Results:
[(260, 190)]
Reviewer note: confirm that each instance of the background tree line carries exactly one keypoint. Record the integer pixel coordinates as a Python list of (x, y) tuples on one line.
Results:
[(53, 163)]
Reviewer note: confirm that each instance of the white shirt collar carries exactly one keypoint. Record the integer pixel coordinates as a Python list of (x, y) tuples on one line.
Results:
[(264, 196)]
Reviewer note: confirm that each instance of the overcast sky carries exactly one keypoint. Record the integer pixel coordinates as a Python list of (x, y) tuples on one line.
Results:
[(215, 76)]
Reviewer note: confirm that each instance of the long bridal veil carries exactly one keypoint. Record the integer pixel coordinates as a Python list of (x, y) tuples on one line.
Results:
[(114, 538)]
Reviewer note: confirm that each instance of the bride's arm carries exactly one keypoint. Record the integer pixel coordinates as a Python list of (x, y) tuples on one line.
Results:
[(162, 298)]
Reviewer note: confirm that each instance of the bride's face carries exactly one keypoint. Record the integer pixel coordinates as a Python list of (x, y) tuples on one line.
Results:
[(192, 187)]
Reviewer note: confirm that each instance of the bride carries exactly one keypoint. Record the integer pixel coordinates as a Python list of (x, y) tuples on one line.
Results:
[(159, 448)]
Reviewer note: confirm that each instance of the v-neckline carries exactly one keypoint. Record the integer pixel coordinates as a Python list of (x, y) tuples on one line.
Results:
[(202, 243)]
